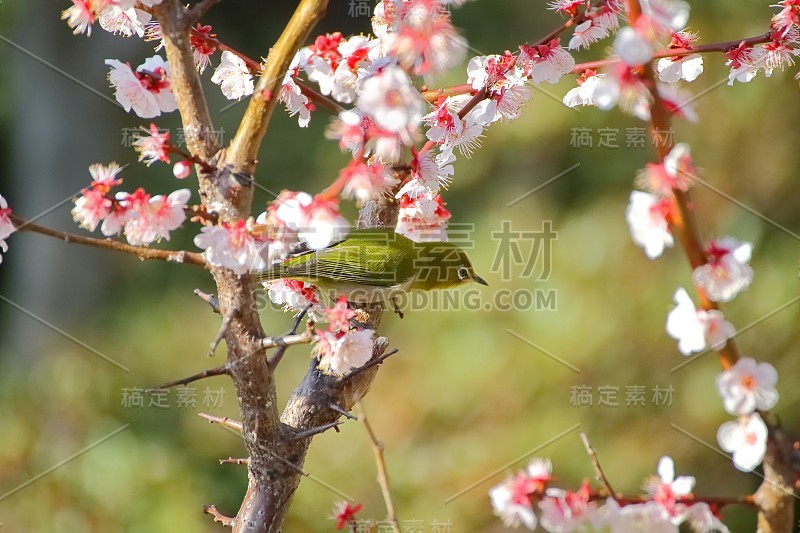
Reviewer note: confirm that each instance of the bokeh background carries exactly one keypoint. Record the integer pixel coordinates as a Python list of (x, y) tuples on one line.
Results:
[(464, 397)]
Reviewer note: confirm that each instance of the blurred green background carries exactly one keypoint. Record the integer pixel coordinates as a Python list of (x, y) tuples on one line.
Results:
[(464, 396)]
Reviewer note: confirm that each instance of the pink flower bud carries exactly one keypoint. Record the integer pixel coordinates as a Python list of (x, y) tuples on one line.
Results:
[(182, 169)]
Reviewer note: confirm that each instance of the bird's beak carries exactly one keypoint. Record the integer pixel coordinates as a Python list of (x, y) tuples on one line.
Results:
[(477, 279)]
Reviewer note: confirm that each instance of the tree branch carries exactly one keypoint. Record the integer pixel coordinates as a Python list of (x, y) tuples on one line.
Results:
[(600, 476), (244, 147), (200, 9), (175, 21), (218, 371), (171, 256), (226, 521), (223, 421), (383, 474)]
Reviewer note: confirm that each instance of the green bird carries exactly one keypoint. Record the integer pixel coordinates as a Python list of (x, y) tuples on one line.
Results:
[(376, 265)]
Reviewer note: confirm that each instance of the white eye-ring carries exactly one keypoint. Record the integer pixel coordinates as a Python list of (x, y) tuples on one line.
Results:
[(463, 273)]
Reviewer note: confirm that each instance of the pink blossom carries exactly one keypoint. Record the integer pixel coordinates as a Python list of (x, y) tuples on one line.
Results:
[(339, 315), (583, 94), (366, 181), (599, 25), (94, 204), (182, 169), (145, 90), (675, 172), (344, 513), (350, 128), (296, 102), (233, 76), (201, 49), (647, 217), (6, 226), (425, 39), (565, 512), (392, 101), (632, 47), (423, 218), (568, 7), (511, 499), (745, 62), (294, 295), (666, 489), (746, 440), (341, 353), (649, 517), (316, 220), (232, 246), (704, 520), (152, 147), (546, 62), (80, 16), (668, 14), (747, 386), (696, 329), (624, 88), (124, 21), (727, 271), (677, 101)]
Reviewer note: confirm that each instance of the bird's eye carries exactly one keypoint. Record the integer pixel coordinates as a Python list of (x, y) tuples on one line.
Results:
[(463, 273)]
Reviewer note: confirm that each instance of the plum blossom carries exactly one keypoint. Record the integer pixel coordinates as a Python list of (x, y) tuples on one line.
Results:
[(632, 47), (686, 67), (231, 245), (583, 94), (424, 38), (233, 77), (6, 226), (294, 295), (564, 511), (745, 62), (152, 218), (746, 440), (546, 62), (703, 520), (152, 147), (649, 517), (677, 101), (80, 16), (676, 171), (423, 218), (669, 14), (747, 386), (124, 21), (367, 181), (696, 329), (647, 217), (344, 513), (182, 169), (350, 128), (727, 271), (666, 489), (622, 87), (339, 353), (315, 220), (511, 499), (94, 204), (202, 50), (146, 90), (392, 101), (600, 23)]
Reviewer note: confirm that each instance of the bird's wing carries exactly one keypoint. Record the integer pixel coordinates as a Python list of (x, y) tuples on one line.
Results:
[(377, 265)]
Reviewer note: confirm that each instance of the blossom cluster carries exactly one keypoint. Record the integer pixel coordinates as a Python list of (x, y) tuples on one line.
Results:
[(527, 499), (342, 346), (143, 218)]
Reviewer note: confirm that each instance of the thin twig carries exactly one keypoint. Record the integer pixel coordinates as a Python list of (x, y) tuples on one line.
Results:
[(278, 355), (141, 252), (223, 421), (230, 314), (600, 476), (235, 461), (369, 364), (219, 517), (314, 431), (342, 411), (210, 299), (380, 463), (218, 371)]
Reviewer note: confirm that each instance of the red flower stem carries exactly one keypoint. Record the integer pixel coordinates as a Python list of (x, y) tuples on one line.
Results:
[(676, 52), (682, 221)]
